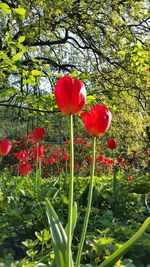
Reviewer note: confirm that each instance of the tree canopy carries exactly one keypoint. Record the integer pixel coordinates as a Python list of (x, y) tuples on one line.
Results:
[(104, 43)]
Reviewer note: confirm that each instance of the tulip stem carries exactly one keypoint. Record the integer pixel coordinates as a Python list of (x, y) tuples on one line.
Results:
[(38, 170), (88, 206), (70, 211)]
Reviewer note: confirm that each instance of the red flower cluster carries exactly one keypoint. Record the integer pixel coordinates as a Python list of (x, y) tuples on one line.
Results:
[(23, 156)]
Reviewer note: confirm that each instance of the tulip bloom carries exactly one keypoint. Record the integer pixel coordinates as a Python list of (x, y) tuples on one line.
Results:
[(97, 120), (25, 168), (38, 134), (111, 143), (70, 95), (5, 147)]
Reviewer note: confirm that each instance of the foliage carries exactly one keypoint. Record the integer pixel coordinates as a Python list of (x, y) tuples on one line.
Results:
[(25, 226), (103, 43)]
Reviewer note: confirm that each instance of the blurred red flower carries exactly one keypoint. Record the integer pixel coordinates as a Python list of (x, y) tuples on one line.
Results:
[(22, 155), (38, 150), (99, 158), (52, 161), (130, 178), (111, 143), (146, 152), (70, 95), (25, 168), (97, 120), (66, 157), (121, 162), (89, 159), (55, 155), (38, 134), (38, 153), (5, 147)]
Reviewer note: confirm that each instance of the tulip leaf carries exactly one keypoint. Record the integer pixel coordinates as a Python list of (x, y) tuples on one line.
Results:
[(74, 218), (112, 259), (59, 237)]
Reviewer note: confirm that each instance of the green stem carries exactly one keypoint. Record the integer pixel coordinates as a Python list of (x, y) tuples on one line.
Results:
[(115, 191), (37, 168), (112, 259), (115, 186), (88, 206), (70, 211)]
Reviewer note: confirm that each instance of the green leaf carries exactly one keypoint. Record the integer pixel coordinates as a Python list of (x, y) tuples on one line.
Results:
[(91, 99), (59, 237), (36, 72), (21, 39), (5, 7), (112, 259), (121, 52), (17, 56), (43, 236), (74, 218), (20, 11)]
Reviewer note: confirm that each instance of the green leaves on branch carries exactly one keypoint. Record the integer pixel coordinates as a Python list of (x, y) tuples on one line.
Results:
[(20, 11), (5, 8), (36, 72), (21, 39)]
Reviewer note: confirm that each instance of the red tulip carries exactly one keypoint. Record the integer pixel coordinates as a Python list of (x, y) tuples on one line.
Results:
[(39, 134), (97, 120), (111, 143), (25, 168), (5, 147), (70, 95)]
